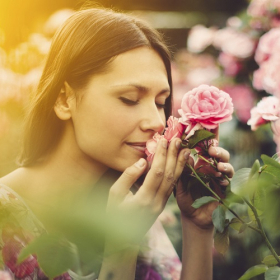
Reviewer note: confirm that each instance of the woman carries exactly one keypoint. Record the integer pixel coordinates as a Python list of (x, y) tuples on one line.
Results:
[(105, 90)]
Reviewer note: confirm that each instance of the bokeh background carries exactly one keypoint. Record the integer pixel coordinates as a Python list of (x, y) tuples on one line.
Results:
[(26, 29)]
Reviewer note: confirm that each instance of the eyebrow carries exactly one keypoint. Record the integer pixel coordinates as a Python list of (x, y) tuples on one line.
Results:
[(142, 88)]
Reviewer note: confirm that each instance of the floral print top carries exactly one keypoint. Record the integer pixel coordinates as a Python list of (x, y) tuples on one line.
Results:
[(19, 226)]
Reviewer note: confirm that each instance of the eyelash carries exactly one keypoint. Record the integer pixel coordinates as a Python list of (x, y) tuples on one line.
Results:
[(131, 103)]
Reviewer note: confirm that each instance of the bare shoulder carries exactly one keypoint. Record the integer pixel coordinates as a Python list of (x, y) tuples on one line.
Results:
[(20, 180)]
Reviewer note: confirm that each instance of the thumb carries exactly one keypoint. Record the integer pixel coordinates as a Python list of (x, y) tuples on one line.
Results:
[(131, 174)]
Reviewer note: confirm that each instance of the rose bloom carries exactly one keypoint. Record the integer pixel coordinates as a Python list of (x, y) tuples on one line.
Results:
[(267, 76), (174, 129), (234, 22), (234, 42), (268, 44), (200, 37), (258, 77), (258, 8), (206, 105), (271, 82), (231, 64), (268, 109)]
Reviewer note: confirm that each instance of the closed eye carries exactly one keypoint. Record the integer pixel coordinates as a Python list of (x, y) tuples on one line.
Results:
[(161, 106), (128, 101)]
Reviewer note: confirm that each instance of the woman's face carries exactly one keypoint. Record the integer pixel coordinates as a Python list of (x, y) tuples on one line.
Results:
[(121, 109)]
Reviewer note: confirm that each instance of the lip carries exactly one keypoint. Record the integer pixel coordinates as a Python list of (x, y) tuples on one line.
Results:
[(139, 146)]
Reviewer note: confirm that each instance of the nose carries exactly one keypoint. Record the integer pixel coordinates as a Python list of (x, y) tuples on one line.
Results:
[(153, 120)]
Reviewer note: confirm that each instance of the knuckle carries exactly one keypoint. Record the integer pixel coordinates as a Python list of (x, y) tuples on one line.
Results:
[(173, 151), (169, 177), (159, 172), (144, 203)]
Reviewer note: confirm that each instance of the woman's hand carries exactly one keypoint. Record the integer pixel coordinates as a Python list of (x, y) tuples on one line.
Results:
[(202, 217), (137, 212)]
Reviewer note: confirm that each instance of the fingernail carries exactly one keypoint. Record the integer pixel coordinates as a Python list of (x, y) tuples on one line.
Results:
[(140, 163), (178, 144), (186, 155), (225, 167), (164, 143), (218, 174)]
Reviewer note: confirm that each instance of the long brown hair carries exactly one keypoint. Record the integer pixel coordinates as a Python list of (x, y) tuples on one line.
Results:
[(82, 47)]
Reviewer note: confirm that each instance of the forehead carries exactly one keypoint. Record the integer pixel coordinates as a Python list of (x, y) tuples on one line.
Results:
[(142, 66)]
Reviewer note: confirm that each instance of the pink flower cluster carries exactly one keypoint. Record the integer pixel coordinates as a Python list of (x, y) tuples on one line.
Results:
[(268, 57), (267, 110), (204, 107), (263, 13)]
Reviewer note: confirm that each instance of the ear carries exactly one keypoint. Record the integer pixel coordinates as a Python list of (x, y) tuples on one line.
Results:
[(64, 102)]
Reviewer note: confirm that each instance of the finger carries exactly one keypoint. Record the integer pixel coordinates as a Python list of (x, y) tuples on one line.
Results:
[(131, 174), (155, 175), (219, 153), (169, 178), (226, 168), (183, 159)]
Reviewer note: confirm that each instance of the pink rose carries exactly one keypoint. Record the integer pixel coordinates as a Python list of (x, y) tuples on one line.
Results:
[(268, 109), (258, 8), (271, 82), (151, 146), (235, 43), (269, 43), (200, 37), (231, 64), (206, 105), (174, 129)]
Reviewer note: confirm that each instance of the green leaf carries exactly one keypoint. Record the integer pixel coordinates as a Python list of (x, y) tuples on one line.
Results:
[(275, 157), (239, 180), (55, 255), (269, 261), (232, 197), (200, 135), (272, 273), (272, 170), (219, 218), (255, 169), (243, 228), (221, 241), (235, 224), (271, 211), (254, 271), (202, 201), (270, 161), (259, 197)]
